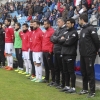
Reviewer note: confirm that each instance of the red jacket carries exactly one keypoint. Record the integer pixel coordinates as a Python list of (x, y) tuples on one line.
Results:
[(37, 40), (59, 7), (9, 35), (25, 40), (30, 40), (29, 18), (47, 45)]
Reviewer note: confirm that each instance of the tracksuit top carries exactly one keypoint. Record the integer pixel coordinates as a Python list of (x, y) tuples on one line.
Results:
[(18, 40), (9, 35)]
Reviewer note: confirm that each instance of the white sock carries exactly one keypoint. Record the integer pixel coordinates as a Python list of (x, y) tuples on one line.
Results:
[(8, 61), (26, 66), (73, 88), (11, 61), (30, 66), (36, 72), (40, 72)]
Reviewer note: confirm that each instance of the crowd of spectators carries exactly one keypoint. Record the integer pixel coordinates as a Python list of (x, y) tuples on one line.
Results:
[(52, 9)]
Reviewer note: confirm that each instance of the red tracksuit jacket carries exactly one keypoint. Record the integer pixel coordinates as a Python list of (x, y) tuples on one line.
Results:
[(9, 35), (25, 40), (37, 40), (47, 45)]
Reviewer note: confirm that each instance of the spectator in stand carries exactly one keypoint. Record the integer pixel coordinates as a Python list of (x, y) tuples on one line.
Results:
[(70, 12), (68, 4), (29, 18), (98, 16), (93, 8), (45, 7), (47, 14)]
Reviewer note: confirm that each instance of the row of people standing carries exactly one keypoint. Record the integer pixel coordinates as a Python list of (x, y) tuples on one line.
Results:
[(63, 44)]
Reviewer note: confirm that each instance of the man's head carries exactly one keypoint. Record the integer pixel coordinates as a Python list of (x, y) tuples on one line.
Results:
[(8, 22), (31, 25), (60, 22), (83, 19), (47, 24), (70, 23), (25, 27), (17, 26), (36, 24)]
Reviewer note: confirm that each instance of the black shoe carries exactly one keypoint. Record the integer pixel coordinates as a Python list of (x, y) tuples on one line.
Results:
[(60, 87), (51, 83), (64, 89), (44, 81), (55, 84), (71, 91), (91, 95), (83, 92)]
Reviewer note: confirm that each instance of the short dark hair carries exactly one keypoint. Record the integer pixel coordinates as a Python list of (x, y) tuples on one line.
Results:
[(72, 21), (84, 17), (32, 21), (61, 18), (8, 19), (47, 21), (18, 24), (36, 21), (25, 24)]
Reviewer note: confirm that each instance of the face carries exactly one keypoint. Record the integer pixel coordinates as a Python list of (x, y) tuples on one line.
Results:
[(69, 24), (60, 23), (16, 26), (35, 25), (80, 21), (24, 28), (46, 25), (7, 23)]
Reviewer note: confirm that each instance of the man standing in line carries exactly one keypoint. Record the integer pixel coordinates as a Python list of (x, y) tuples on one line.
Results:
[(88, 47), (9, 39)]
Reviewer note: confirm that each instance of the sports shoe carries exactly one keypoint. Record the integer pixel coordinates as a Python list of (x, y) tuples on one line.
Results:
[(51, 83), (38, 81), (44, 81), (28, 75), (24, 73), (83, 92), (64, 89), (20, 71), (60, 87), (9, 69), (33, 80), (17, 70), (55, 84), (91, 95), (43, 77), (71, 91)]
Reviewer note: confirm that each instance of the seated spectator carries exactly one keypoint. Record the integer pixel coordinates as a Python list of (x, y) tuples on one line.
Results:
[(76, 17), (52, 6), (93, 20), (29, 18), (47, 14), (70, 12), (98, 16), (90, 11), (45, 7)]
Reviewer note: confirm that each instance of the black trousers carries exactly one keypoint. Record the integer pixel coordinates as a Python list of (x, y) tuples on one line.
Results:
[(31, 59), (59, 69), (19, 57), (68, 67), (48, 65), (2, 57), (88, 73)]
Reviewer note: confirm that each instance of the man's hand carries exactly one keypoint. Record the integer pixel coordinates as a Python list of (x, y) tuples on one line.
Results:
[(62, 38)]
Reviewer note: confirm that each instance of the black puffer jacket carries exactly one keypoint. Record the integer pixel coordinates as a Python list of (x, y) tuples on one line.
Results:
[(2, 37), (69, 43), (89, 41), (58, 33)]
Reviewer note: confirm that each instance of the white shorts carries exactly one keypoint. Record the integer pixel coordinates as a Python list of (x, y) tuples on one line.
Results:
[(9, 48), (25, 55), (38, 57)]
